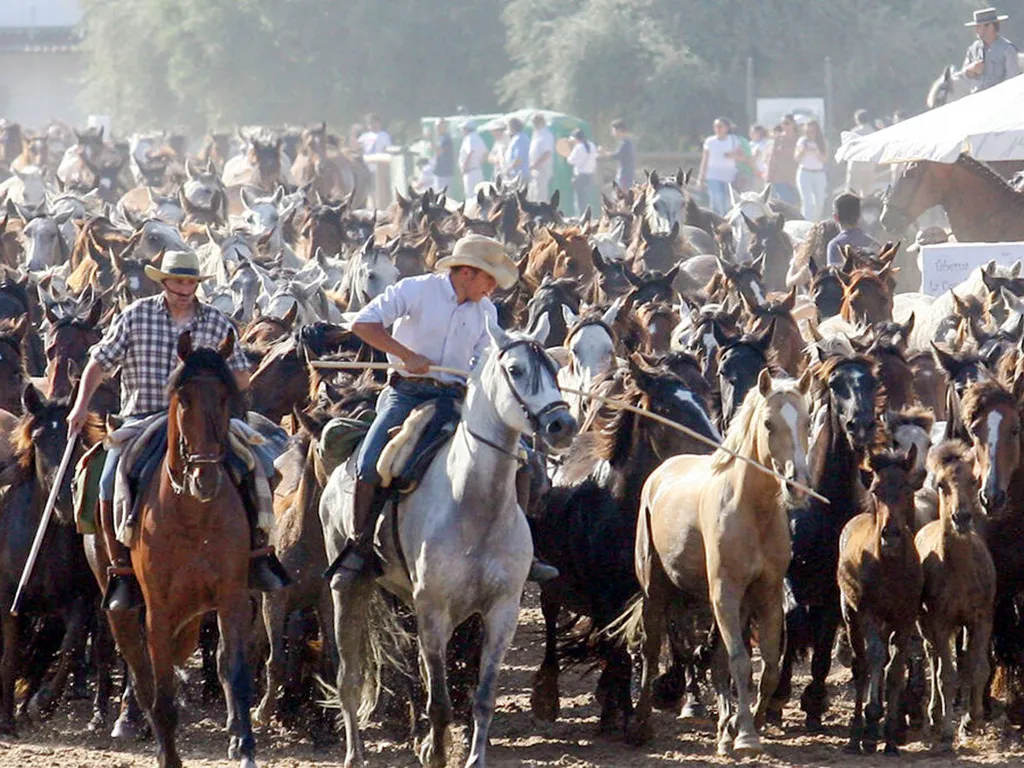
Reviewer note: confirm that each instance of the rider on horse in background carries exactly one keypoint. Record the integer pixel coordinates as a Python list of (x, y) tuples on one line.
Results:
[(435, 319), (143, 342)]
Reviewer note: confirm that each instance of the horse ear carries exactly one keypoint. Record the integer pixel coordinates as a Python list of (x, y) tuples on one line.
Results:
[(758, 264), (804, 384), (559, 238), (20, 329), (568, 316), (585, 218), (498, 337), (812, 267), (654, 179), (184, 345), (961, 307), (540, 333), (227, 347), (612, 313), (95, 312), (750, 224), (944, 358), (290, 315), (766, 195), (645, 231), (722, 338), (790, 301), (909, 326), (670, 276), (246, 196), (680, 178), (31, 400), (1015, 269), (764, 382), (674, 232), (555, 198), (764, 341)]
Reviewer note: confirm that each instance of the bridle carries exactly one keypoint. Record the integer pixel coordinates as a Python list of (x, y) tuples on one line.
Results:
[(537, 350), (191, 461)]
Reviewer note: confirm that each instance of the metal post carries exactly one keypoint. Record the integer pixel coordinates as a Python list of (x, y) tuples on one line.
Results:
[(751, 95), (829, 97)]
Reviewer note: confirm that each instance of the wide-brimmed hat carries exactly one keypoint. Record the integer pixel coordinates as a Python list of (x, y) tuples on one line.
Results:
[(928, 236), (986, 16), (483, 253), (180, 264)]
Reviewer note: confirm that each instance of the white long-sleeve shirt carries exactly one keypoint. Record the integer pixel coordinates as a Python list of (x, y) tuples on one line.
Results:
[(425, 315)]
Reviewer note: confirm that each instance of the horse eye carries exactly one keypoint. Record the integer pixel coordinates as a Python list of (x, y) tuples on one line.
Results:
[(515, 371), (768, 425)]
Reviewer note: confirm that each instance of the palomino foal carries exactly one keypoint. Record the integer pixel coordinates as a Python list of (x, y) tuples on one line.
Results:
[(714, 526)]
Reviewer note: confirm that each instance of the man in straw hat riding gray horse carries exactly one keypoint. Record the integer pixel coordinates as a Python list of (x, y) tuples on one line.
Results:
[(142, 341), (435, 319)]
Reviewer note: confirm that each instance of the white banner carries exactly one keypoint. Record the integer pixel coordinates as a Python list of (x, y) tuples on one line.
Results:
[(946, 265)]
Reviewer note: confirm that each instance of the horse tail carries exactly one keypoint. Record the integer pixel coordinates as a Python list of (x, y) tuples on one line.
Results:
[(628, 627), (385, 645)]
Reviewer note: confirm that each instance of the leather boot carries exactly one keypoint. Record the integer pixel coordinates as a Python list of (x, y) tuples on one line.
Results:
[(122, 592), (357, 557)]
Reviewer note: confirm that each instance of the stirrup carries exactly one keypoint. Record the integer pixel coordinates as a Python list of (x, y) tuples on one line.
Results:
[(266, 573), (354, 560), (122, 592)]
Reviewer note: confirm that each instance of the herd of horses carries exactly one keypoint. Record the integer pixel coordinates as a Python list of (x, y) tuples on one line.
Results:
[(900, 412)]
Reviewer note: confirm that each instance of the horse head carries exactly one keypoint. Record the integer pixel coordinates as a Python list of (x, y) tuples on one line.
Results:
[(952, 465), (850, 386), (203, 396), (992, 418), (519, 379), (892, 491)]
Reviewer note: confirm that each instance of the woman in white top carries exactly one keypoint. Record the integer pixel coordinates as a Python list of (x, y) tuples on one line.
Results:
[(718, 165), (759, 146), (583, 159), (812, 180)]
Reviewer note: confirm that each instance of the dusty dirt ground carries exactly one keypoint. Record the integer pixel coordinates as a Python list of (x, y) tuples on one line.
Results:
[(516, 740)]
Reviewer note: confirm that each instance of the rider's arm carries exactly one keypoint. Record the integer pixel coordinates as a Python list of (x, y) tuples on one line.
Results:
[(377, 336), (92, 377)]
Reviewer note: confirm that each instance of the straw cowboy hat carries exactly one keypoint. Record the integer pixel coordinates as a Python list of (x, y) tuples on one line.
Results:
[(482, 253), (986, 16), (180, 264)]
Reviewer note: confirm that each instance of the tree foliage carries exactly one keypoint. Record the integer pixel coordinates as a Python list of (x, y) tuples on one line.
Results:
[(669, 66)]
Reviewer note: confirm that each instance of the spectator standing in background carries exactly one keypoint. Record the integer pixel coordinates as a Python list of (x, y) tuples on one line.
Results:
[(624, 154), (499, 148), (583, 159), (811, 156), (860, 177), (472, 155), (722, 150), (542, 161), (760, 146), (375, 139), (846, 212), (517, 157), (444, 157), (782, 162)]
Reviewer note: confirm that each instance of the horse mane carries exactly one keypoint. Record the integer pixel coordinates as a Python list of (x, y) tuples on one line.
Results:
[(613, 427), (745, 426), (982, 170), (914, 416), (24, 446), (982, 396), (948, 454), (205, 361), (864, 275)]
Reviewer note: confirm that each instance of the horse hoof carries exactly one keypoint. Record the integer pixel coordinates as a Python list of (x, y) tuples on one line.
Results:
[(234, 748), (261, 717), (247, 762), (429, 758), (694, 710), (852, 747), (639, 733), (97, 723), (891, 750), (40, 706), (814, 724), (8, 730), (747, 746)]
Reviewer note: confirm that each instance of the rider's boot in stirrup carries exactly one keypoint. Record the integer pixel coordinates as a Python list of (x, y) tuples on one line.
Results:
[(122, 592)]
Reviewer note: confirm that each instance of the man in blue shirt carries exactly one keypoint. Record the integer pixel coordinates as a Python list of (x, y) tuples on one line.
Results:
[(846, 211), (444, 157), (435, 319), (517, 159), (624, 154)]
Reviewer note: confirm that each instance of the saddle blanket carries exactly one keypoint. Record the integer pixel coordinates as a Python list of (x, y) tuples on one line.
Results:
[(143, 445)]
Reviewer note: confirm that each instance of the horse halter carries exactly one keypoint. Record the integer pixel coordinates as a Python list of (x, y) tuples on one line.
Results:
[(191, 461), (591, 321), (535, 348)]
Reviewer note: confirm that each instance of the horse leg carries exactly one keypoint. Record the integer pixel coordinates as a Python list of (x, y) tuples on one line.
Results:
[(162, 709), (208, 643), (770, 627), (860, 678), (726, 600), (274, 614), (653, 612), (499, 628), (875, 653), (814, 697), (233, 619), (350, 631), (785, 686), (434, 631), (103, 655), (8, 673), (544, 696), (46, 698), (895, 680), (940, 709), (978, 671), (722, 683)]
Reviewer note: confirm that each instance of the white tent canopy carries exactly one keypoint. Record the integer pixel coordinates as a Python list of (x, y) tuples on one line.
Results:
[(988, 126)]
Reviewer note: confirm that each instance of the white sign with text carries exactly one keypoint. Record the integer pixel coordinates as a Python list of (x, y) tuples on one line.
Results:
[(946, 265)]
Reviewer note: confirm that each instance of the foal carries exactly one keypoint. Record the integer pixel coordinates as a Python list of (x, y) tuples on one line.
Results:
[(959, 587), (880, 582)]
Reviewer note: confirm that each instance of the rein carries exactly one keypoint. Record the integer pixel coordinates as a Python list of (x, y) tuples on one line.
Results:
[(342, 365), (191, 460)]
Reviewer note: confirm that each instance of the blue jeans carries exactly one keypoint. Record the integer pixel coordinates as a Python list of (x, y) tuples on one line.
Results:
[(394, 404), (786, 193), (718, 196), (109, 474), (813, 186)]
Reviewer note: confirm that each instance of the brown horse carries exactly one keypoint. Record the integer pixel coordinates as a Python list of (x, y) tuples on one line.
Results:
[(565, 253), (711, 527), (191, 555), (786, 343), (880, 582), (13, 376), (867, 297), (959, 588), (980, 205)]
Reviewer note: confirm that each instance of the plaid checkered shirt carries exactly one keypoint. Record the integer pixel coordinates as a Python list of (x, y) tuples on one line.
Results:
[(143, 341)]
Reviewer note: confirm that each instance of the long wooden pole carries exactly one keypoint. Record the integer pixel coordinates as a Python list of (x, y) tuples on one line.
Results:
[(346, 366)]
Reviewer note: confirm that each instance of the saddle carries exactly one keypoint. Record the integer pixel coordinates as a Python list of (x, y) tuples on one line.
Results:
[(413, 446)]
